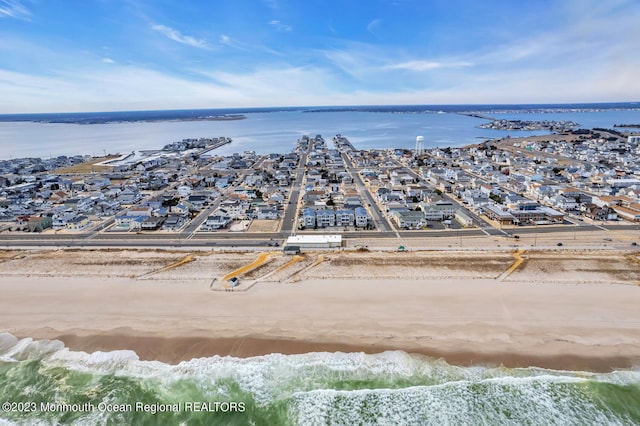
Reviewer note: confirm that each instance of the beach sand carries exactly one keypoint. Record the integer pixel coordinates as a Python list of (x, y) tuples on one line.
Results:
[(451, 305)]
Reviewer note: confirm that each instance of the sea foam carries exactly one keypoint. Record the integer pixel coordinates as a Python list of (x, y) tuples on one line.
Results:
[(392, 387)]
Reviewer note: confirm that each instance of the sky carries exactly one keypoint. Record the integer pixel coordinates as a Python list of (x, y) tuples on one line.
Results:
[(118, 55)]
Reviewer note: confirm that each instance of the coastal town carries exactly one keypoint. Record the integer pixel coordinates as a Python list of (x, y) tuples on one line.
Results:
[(325, 188)]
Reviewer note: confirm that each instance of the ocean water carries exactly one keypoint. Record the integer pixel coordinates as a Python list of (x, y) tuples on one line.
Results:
[(278, 131), (391, 388)]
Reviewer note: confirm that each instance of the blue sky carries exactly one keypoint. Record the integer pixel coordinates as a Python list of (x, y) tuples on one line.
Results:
[(99, 55)]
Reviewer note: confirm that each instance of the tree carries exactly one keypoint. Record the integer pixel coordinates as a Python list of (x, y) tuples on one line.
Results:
[(496, 198), (170, 203)]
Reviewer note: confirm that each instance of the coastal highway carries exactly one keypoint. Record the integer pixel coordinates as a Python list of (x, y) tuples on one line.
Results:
[(212, 240), (228, 242)]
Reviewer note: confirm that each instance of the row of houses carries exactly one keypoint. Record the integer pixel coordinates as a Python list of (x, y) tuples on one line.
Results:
[(325, 218)]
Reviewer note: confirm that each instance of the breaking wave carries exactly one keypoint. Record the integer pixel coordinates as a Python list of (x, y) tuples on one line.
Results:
[(394, 387)]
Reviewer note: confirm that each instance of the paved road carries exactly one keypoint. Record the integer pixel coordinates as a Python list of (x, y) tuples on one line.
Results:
[(380, 221), (262, 240), (289, 217)]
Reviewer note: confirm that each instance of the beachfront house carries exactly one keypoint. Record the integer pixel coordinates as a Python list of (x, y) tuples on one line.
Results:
[(152, 223), (60, 219), (268, 212), (345, 217), (361, 217), (463, 219), (325, 218), (309, 218), (78, 223), (439, 211), (173, 222), (216, 221), (409, 219)]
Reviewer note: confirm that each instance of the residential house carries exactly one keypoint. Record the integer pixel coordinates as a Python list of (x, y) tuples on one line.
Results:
[(140, 211), (173, 222), (78, 223), (81, 204), (410, 219), (325, 218), (60, 219), (361, 217), (441, 210), (197, 201), (39, 223), (564, 203), (345, 217), (309, 218), (311, 196), (129, 196), (152, 223), (627, 213), (268, 212), (127, 221), (352, 201), (218, 220), (603, 213), (276, 197), (463, 219), (181, 208), (233, 207)]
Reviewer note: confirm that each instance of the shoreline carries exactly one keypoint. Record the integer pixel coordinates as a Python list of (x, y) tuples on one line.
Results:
[(173, 350), (561, 310)]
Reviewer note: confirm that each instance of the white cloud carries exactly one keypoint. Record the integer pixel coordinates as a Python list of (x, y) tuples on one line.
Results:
[(427, 65), (176, 35), (573, 63), (130, 87), (120, 87), (14, 9), (279, 25)]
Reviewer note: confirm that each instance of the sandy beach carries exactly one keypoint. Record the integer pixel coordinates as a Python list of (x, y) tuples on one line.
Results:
[(572, 309)]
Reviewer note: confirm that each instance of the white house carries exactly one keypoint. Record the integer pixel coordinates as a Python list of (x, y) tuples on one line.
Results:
[(345, 217), (216, 221), (361, 217), (268, 212), (325, 217)]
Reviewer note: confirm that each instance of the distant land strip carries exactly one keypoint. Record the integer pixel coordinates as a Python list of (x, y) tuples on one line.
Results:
[(142, 120), (627, 125), (222, 114)]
